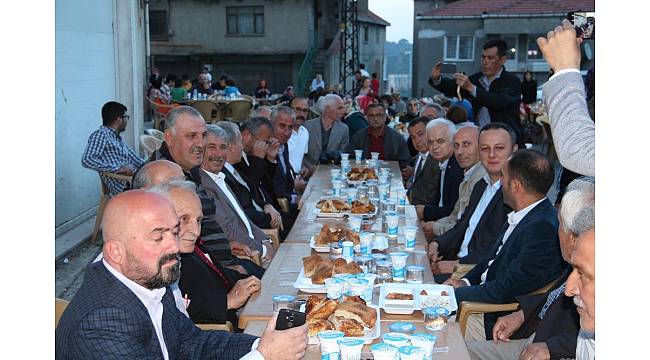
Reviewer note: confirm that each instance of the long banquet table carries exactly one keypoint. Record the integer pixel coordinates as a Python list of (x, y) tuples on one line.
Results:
[(287, 263)]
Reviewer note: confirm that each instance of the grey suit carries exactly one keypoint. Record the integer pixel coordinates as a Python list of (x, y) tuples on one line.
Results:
[(425, 183), (574, 132), (226, 216), (338, 141)]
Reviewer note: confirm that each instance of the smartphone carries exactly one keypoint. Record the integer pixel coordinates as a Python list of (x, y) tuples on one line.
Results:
[(448, 68), (584, 23), (288, 319)]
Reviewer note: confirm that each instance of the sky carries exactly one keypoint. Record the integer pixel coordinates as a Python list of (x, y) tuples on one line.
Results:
[(399, 13)]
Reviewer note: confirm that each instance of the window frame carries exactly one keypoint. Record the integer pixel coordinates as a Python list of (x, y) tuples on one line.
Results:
[(234, 11), (539, 52), (456, 58), (160, 15), (366, 32)]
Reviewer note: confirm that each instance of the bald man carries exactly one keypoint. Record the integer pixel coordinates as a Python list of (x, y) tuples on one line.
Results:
[(124, 308), (155, 173)]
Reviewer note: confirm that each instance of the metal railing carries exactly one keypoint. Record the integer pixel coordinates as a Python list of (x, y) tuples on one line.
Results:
[(306, 67)]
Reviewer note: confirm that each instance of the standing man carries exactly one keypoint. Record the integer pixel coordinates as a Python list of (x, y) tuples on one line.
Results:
[(108, 152), (422, 176), (299, 140), (378, 137), (440, 135), (495, 94), (327, 134)]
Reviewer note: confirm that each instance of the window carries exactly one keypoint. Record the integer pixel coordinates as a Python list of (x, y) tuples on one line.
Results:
[(511, 41), (158, 25), (459, 48), (365, 34), (245, 20), (377, 33), (533, 53)]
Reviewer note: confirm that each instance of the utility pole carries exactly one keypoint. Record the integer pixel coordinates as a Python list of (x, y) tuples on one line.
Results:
[(349, 54)]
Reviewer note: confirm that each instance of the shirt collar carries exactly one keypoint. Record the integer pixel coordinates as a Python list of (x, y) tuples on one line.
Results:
[(245, 157), (228, 167), (487, 179), (216, 177), (470, 171), (443, 165), (112, 131), (145, 295), (514, 217), (498, 75)]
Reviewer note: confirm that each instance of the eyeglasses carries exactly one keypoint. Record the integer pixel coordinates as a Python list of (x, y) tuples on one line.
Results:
[(125, 117)]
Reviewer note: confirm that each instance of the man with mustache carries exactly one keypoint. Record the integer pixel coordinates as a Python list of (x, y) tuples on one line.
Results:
[(328, 134), (422, 171), (582, 286), (125, 308), (299, 140)]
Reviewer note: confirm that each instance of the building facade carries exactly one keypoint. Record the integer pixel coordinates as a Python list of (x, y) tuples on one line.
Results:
[(455, 31)]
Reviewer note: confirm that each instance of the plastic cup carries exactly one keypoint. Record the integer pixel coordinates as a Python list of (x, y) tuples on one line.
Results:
[(366, 239), (350, 348), (335, 251), (348, 251), (364, 262), (337, 185), (409, 237), (399, 265), (383, 351), (345, 166), (396, 339), (424, 341), (358, 154), (356, 287), (355, 223), (345, 156), (401, 197), (384, 271), (329, 345), (335, 173), (435, 318), (415, 274), (334, 287), (392, 221), (383, 191), (411, 353), (374, 155), (383, 179), (351, 194), (381, 242), (370, 285), (284, 302)]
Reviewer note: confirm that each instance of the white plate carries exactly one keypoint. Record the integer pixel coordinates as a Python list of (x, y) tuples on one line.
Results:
[(330, 215), (326, 248), (368, 334), (304, 284), (366, 215), (357, 182), (433, 289)]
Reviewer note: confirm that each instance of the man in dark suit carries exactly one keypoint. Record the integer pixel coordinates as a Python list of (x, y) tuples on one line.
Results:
[(125, 308), (527, 253), (378, 137), (440, 134), (471, 240), (546, 325), (494, 93), (422, 172)]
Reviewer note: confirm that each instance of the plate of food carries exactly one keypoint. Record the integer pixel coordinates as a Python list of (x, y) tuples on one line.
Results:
[(333, 233), (352, 316), (332, 208), (358, 175), (423, 296), (365, 209), (316, 269)]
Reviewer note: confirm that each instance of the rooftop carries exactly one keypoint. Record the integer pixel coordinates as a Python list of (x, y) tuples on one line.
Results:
[(511, 7), (371, 17)]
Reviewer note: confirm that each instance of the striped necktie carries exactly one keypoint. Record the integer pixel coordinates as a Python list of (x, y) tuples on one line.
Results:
[(551, 299)]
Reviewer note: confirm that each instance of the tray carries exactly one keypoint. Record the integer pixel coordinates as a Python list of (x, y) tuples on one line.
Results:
[(368, 334), (304, 284), (434, 289)]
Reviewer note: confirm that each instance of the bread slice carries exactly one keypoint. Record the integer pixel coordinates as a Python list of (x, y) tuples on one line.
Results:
[(322, 310), (309, 264), (349, 327), (359, 312), (322, 272), (315, 326), (350, 268)]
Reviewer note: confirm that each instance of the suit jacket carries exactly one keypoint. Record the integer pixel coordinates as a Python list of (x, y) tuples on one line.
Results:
[(561, 324), (453, 177), (502, 99), (529, 260), (424, 186), (106, 320), (207, 284), (395, 148), (283, 182), (485, 234), (245, 198), (465, 188), (338, 141), (259, 172), (574, 132), (226, 216)]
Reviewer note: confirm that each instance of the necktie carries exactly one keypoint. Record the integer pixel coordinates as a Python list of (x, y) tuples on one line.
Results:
[(242, 182), (441, 174), (551, 299), (198, 250), (283, 166), (169, 321)]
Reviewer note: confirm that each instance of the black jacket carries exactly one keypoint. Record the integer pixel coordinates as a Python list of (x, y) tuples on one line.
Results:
[(486, 231), (453, 177), (245, 198), (502, 99), (395, 148)]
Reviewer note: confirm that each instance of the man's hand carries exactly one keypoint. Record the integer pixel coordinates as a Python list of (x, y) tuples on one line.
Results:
[(427, 228), (306, 172), (455, 283), (239, 294), (299, 184), (535, 351), (239, 249), (276, 218), (435, 71), (432, 251), (273, 149), (506, 325), (125, 170), (419, 210), (407, 172), (260, 148), (240, 269), (283, 344), (462, 80), (561, 48)]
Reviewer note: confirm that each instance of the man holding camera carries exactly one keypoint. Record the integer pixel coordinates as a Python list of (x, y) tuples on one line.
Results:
[(494, 92), (327, 136)]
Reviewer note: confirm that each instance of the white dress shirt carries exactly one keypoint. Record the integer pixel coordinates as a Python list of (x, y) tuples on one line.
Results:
[(586, 345), (513, 219), (486, 197), (298, 147), (443, 170), (422, 158), (221, 183)]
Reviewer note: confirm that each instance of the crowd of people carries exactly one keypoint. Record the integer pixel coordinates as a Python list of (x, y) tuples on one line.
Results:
[(205, 197)]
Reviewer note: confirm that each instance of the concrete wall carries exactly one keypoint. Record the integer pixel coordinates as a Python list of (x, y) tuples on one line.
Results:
[(99, 57)]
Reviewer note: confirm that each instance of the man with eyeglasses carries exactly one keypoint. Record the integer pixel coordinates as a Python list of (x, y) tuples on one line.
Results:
[(108, 152), (299, 140)]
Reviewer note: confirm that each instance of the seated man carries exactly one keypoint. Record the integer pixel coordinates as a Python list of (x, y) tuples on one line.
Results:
[(581, 285), (527, 254), (546, 325), (328, 135), (155, 173), (355, 118), (467, 154), (440, 134), (210, 292), (126, 310), (108, 152), (299, 140), (433, 111), (472, 238), (378, 137), (412, 111), (422, 176)]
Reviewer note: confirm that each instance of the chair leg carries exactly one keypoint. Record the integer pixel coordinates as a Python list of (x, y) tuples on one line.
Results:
[(98, 219)]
